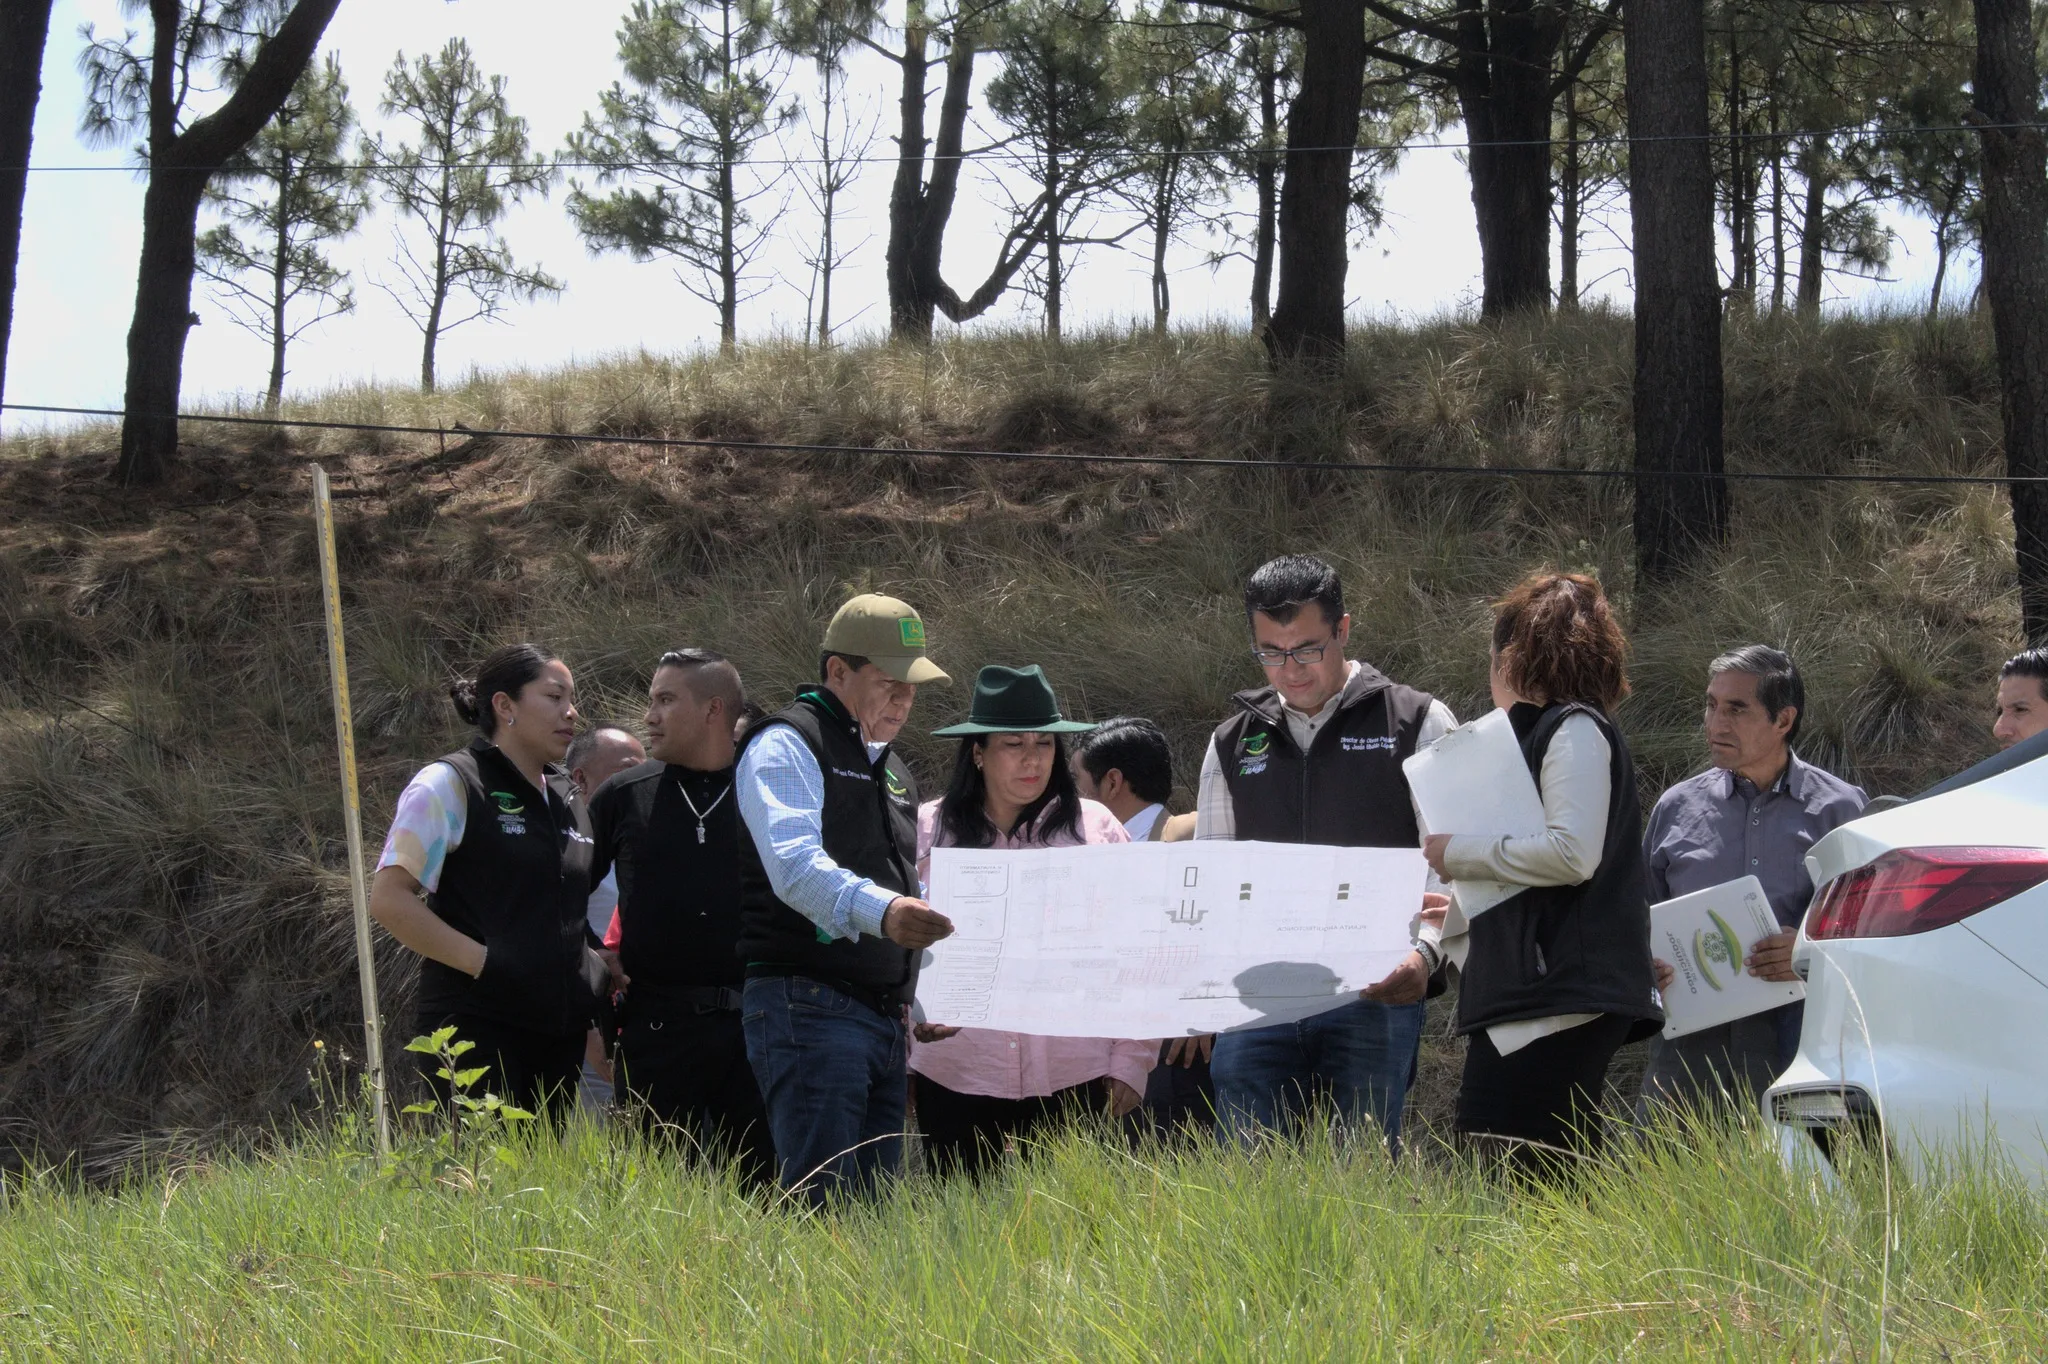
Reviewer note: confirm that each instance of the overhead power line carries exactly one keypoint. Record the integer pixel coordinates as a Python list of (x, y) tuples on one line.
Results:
[(1044, 456), (1134, 149)]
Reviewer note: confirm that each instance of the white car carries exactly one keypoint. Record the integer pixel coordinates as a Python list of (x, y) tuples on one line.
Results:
[(1925, 953)]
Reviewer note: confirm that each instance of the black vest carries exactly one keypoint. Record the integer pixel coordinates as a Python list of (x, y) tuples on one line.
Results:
[(1348, 790), (870, 828), (519, 883), (679, 900), (1551, 950)]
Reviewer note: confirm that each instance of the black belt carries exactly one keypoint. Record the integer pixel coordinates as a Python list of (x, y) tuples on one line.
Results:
[(887, 1003), (703, 999)]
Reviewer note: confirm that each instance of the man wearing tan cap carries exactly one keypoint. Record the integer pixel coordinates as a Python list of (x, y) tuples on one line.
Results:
[(831, 925)]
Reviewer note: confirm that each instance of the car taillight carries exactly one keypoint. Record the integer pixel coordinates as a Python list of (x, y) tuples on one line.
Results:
[(1913, 890)]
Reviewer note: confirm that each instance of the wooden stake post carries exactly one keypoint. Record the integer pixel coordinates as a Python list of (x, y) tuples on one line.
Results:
[(352, 805)]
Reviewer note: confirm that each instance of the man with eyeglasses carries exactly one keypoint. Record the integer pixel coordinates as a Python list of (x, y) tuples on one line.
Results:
[(1315, 757)]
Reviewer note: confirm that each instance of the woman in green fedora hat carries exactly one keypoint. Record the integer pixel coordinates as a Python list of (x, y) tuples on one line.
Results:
[(1012, 788)]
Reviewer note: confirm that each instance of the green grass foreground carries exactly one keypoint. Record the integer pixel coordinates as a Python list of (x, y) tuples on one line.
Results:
[(1689, 1246)]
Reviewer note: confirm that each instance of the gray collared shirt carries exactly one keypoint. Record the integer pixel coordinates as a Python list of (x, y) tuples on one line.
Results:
[(1717, 827)]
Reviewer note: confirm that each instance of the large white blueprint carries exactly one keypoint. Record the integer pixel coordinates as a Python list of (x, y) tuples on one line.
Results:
[(1163, 939)]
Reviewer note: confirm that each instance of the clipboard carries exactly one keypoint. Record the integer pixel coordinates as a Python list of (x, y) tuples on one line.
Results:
[(1705, 936)]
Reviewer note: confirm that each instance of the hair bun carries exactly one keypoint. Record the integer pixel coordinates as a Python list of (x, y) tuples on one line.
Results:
[(463, 694)]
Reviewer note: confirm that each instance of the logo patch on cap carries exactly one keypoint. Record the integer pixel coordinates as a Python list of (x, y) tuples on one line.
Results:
[(913, 633)]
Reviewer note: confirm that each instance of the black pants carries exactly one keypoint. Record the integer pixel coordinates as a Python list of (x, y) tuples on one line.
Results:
[(965, 1133), (687, 1072), (537, 1071), (1547, 1093), (1180, 1100)]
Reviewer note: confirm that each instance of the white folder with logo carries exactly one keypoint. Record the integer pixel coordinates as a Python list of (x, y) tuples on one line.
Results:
[(1704, 937)]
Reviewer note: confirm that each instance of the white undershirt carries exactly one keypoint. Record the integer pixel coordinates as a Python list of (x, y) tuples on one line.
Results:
[(1139, 826)]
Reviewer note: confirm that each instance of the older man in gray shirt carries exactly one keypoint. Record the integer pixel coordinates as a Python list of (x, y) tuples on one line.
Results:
[(1755, 814)]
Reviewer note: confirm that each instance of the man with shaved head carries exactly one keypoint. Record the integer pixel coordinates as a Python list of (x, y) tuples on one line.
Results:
[(671, 829), (596, 756)]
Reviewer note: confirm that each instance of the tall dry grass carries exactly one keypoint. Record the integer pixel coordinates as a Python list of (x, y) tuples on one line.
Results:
[(176, 932)]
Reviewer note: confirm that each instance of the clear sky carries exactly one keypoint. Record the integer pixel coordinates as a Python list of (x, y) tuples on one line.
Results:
[(83, 230)]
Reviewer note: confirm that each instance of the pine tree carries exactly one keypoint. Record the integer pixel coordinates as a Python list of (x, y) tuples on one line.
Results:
[(1061, 94), (705, 77), (256, 48), (469, 166), (1186, 109), (283, 197)]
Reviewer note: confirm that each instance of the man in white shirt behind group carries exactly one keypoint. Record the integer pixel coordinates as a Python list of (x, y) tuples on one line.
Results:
[(596, 756)]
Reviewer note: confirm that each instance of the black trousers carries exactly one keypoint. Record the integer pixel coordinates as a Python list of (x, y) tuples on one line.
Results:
[(1547, 1093), (688, 1074), (965, 1133), (537, 1071), (1180, 1100)]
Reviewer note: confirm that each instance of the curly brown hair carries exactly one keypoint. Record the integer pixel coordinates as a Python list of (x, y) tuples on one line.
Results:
[(1557, 639)]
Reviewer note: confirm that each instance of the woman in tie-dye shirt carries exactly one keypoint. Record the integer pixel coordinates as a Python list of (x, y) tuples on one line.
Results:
[(486, 874)]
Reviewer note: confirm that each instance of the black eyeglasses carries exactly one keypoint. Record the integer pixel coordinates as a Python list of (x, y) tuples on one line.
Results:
[(1300, 653)]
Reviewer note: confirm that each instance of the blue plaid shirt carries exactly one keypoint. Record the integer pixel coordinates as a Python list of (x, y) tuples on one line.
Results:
[(782, 799)]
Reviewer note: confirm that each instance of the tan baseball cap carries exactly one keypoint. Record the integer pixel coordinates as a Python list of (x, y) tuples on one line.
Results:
[(887, 633)]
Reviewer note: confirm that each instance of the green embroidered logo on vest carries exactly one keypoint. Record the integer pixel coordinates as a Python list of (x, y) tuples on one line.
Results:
[(912, 632), (1255, 745), (508, 804), (895, 785)]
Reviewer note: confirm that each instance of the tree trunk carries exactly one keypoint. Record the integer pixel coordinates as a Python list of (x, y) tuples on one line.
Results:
[(1162, 236), (831, 195), (434, 308), (1777, 211), (910, 315), (280, 263), (1681, 505), (1267, 180), (728, 262), (1941, 249), (1813, 230), (24, 31), (1503, 78), (919, 209), (1741, 216), (1315, 196), (180, 166), (156, 334), (2015, 253), (1053, 265), (728, 205), (1568, 227)]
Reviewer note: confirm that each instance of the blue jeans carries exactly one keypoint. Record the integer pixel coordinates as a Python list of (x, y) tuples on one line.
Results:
[(833, 1080), (1358, 1057)]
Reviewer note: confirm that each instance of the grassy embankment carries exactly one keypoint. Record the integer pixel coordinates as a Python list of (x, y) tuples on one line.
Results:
[(176, 930), (595, 1249)]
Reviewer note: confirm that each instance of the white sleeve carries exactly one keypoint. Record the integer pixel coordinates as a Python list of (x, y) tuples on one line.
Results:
[(1577, 788), (428, 826), (1437, 721), (603, 902), (1215, 816)]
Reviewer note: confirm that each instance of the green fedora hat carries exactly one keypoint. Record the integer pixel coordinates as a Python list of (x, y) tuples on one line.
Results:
[(1012, 701)]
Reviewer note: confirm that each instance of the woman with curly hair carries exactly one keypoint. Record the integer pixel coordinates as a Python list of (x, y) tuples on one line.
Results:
[(1556, 977)]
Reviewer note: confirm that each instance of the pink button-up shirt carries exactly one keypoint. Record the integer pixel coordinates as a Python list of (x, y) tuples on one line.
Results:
[(1012, 1065)]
